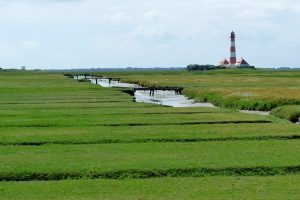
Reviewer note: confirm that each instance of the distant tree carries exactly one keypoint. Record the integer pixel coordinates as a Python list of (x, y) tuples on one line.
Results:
[(197, 67), (68, 75)]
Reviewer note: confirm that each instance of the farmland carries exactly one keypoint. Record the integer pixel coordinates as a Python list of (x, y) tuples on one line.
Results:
[(65, 139)]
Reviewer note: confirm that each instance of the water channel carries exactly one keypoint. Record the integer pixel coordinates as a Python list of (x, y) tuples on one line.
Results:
[(167, 98)]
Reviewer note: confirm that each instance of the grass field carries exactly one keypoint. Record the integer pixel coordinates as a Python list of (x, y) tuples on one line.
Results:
[(96, 143), (233, 88), (206, 188)]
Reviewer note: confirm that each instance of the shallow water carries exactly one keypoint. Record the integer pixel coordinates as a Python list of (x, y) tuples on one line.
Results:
[(255, 112), (166, 98)]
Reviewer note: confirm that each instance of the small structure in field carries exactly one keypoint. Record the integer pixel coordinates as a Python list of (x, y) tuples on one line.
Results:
[(224, 63), (242, 63)]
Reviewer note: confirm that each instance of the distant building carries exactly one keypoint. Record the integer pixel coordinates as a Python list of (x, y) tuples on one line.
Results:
[(242, 63), (224, 63), (23, 68), (232, 63)]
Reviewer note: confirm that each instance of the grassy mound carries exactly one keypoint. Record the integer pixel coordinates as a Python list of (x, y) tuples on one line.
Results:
[(151, 173), (291, 113)]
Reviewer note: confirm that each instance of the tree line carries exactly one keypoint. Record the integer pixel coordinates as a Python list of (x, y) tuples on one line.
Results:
[(197, 67)]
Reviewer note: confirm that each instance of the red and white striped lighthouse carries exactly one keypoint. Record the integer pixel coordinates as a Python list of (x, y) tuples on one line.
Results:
[(232, 49)]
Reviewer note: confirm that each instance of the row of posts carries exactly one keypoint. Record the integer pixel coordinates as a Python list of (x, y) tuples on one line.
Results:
[(151, 91), (109, 79)]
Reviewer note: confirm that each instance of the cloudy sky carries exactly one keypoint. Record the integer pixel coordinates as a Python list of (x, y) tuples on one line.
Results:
[(167, 33)]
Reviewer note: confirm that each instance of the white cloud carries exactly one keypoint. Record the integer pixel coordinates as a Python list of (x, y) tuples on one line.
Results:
[(156, 15), (7, 50), (116, 17), (6, 2), (93, 32), (29, 44), (153, 31)]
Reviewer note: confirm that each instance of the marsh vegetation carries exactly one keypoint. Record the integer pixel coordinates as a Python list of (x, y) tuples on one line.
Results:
[(65, 139)]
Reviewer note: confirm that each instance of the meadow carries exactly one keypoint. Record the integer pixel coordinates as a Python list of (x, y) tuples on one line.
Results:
[(245, 89), (205, 188), (65, 139)]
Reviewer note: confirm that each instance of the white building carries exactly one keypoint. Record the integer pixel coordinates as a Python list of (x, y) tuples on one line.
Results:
[(242, 63), (224, 63)]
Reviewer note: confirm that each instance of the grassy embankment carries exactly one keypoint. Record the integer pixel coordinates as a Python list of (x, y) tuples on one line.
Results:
[(242, 89), (55, 128), (291, 113)]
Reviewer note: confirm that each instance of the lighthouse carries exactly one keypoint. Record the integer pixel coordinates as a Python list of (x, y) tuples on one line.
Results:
[(242, 63), (232, 50)]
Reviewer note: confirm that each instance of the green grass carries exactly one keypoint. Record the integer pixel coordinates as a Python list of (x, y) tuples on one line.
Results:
[(62, 120), (114, 157), (206, 188), (96, 134), (234, 88), (291, 113), (57, 128)]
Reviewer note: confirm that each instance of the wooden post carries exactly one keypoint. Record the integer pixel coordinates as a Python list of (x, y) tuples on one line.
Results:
[(152, 92)]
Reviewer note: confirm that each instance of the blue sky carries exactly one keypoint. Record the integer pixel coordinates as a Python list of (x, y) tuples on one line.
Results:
[(167, 33)]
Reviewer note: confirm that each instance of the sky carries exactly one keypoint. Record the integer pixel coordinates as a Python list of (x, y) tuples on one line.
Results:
[(60, 34)]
